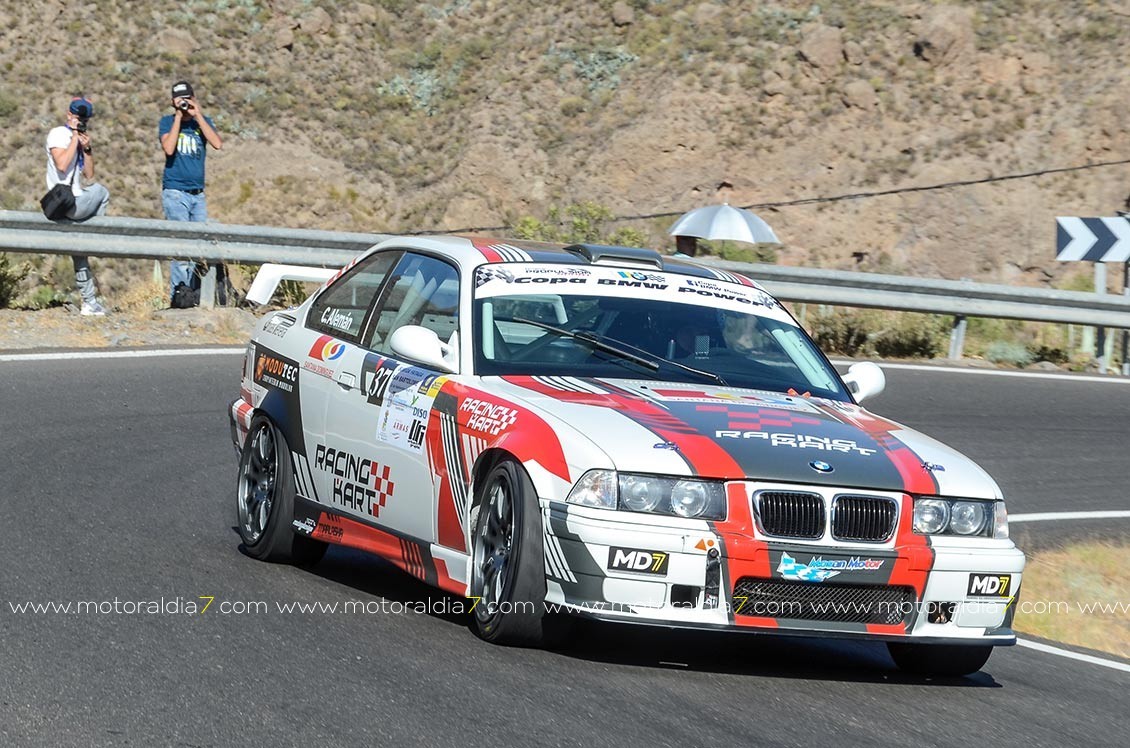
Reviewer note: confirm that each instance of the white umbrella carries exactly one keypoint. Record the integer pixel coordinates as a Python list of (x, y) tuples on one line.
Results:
[(724, 222)]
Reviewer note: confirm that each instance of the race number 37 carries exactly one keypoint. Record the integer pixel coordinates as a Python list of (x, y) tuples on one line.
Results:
[(989, 585)]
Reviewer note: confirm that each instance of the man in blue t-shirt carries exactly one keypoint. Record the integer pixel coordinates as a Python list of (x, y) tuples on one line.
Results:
[(183, 135)]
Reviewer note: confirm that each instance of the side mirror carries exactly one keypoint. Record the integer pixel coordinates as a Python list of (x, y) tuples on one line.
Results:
[(865, 380), (423, 346)]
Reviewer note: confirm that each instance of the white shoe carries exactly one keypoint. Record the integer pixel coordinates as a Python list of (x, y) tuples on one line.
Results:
[(92, 309)]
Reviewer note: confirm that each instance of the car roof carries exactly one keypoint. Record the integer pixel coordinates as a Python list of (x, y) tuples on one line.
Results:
[(472, 251)]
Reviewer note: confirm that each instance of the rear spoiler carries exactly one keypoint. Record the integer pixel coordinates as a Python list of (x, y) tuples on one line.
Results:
[(270, 276)]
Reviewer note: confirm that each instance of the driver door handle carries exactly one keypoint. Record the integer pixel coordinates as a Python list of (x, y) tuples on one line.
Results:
[(346, 379)]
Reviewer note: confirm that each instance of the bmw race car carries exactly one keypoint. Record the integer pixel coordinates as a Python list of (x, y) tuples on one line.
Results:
[(557, 431)]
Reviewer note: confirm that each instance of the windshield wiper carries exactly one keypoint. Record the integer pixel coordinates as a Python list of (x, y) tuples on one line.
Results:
[(593, 341), (648, 361)]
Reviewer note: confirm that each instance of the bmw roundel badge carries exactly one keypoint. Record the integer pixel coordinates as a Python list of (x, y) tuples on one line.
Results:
[(820, 466)]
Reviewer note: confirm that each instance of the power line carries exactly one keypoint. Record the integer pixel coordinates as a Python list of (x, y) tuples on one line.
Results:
[(828, 198)]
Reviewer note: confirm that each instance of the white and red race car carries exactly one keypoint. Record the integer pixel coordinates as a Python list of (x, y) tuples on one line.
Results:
[(608, 432)]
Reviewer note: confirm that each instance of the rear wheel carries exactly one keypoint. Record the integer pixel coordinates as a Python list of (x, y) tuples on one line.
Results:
[(940, 659), (507, 569), (265, 499)]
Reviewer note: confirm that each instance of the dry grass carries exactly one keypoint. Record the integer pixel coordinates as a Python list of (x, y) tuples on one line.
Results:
[(142, 298), (1078, 595)]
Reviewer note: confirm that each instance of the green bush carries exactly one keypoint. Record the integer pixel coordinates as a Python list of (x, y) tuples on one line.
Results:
[(912, 336), (1054, 354), (843, 332), (1008, 352), (10, 278), (580, 223), (853, 332)]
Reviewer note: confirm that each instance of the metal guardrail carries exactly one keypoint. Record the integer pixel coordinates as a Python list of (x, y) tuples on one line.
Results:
[(148, 238)]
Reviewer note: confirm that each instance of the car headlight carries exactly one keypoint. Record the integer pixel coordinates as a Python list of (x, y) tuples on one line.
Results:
[(968, 517), (650, 494), (595, 488), (639, 494), (931, 515)]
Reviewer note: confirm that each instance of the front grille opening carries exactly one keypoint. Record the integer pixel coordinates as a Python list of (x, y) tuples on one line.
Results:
[(684, 595), (869, 519), (791, 514), (837, 603)]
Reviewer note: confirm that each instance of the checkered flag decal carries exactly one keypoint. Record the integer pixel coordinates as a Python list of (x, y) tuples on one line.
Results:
[(487, 273), (383, 486)]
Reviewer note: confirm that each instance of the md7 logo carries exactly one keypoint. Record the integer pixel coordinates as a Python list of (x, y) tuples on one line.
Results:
[(641, 561), (989, 585)]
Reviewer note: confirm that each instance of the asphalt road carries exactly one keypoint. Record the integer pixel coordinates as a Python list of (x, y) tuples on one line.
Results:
[(116, 482)]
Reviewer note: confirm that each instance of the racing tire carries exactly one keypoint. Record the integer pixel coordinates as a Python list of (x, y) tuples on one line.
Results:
[(265, 499), (939, 659), (507, 566)]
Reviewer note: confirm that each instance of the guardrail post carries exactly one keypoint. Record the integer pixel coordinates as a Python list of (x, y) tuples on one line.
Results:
[(208, 289), (1126, 333), (957, 337)]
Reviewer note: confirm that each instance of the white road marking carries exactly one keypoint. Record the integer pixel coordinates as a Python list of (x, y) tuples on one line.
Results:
[(76, 355), (1049, 516), (1113, 665), (1095, 379)]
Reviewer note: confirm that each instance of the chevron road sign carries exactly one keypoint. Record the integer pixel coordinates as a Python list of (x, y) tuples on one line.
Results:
[(1092, 239)]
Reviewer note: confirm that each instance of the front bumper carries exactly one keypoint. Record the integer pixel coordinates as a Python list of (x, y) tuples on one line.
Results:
[(239, 421), (672, 572)]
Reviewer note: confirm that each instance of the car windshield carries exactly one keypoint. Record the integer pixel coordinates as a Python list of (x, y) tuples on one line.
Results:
[(562, 320)]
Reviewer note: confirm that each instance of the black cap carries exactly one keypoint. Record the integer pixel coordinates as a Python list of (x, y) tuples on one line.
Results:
[(182, 89), (81, 108)]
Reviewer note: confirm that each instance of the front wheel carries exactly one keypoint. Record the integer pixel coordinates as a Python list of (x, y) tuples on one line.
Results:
[(507, 568), (940, 659), (265, 499)]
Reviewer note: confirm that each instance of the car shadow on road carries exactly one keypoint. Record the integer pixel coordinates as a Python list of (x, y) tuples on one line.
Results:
[(760, 655)]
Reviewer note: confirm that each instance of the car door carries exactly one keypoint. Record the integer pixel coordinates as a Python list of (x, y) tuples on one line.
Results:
[(381, 420), (330, 359)]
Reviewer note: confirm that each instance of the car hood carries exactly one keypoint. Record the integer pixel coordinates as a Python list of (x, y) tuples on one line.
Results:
[(732, 433)]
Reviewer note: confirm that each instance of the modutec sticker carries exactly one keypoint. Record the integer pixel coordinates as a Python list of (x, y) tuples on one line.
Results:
[(275, 371)]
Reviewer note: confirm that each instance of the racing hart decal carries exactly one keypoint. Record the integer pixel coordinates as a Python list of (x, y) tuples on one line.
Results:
[(360, 484)]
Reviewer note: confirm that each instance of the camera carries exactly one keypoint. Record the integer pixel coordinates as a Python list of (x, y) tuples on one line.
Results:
[(81, 126), (183, 105)]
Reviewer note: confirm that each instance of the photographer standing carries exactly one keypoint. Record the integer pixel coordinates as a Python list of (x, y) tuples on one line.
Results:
[(183, 135), (70, 157)]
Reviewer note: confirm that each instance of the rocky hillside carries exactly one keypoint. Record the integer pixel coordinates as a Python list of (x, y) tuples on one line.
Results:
[(397, 115)]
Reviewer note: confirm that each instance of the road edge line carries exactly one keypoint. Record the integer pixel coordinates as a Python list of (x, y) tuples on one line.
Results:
[(155, 353), (1091, 659)]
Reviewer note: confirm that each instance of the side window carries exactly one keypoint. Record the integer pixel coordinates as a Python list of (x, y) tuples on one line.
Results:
[(340, 310), (421, 291)]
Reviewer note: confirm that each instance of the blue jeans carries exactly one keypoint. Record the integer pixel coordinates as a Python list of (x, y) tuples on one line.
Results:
[(92, 202), (182, 206)]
